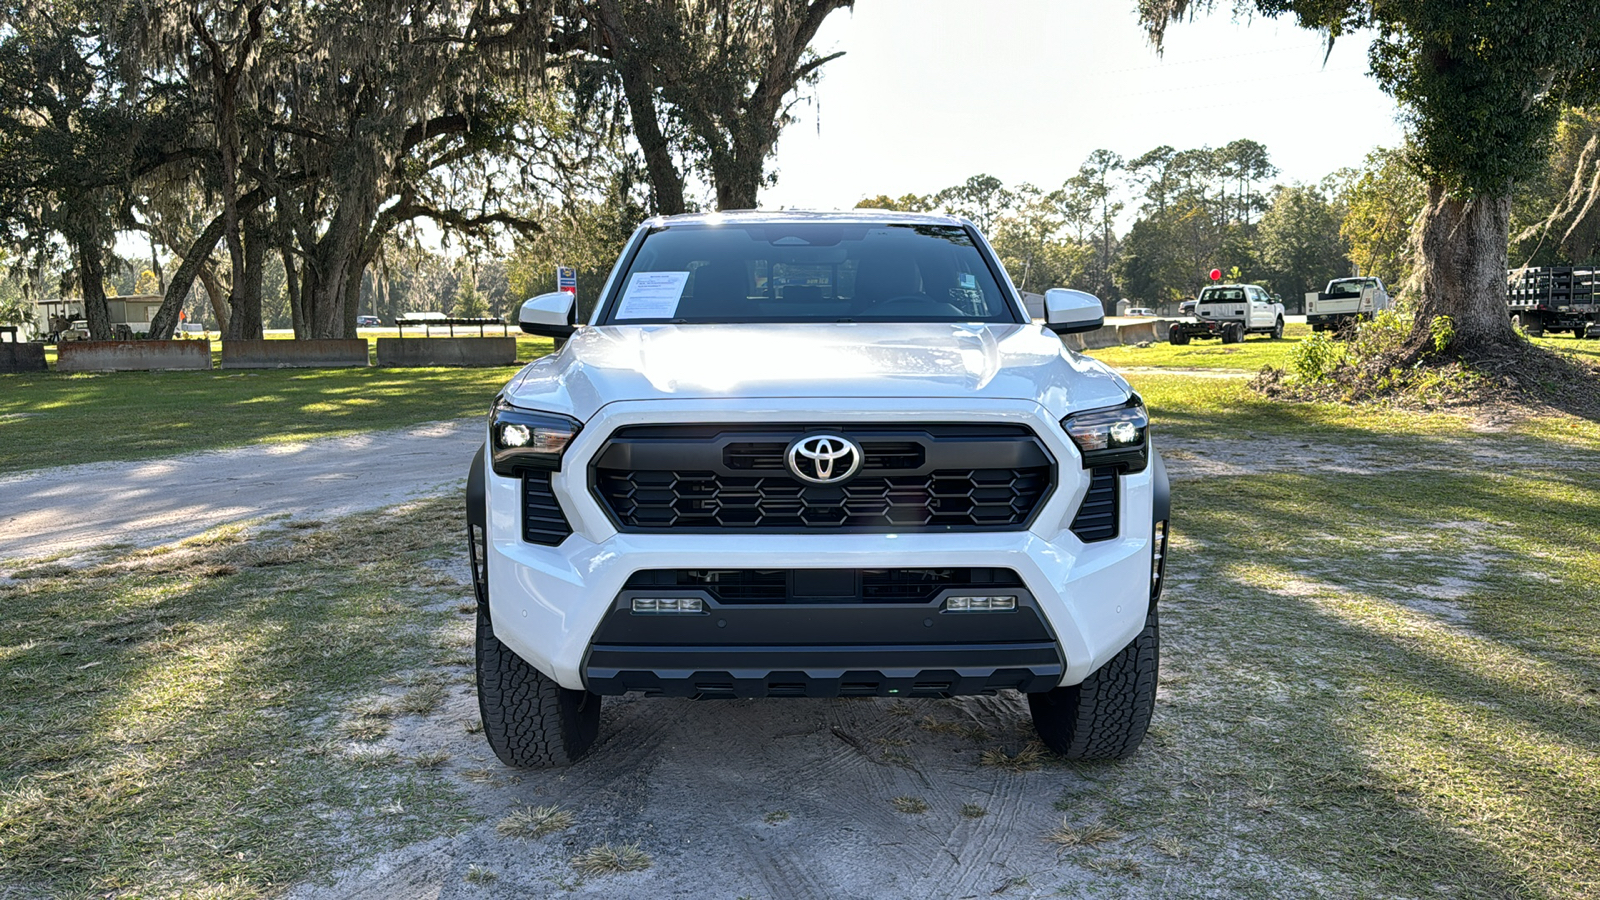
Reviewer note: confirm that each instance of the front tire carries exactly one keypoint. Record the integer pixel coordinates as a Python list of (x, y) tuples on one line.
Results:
[(531, 722), (1277, 330), (1107, 715)]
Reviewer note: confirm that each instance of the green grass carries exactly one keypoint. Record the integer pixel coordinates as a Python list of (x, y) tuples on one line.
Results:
[(56, 420), (173, 717), (1250, 356)]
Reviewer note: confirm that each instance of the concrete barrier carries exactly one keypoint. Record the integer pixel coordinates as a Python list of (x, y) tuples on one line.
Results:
[(1136, 333), (132, 356), (444, 351), (1104, 336), (319, 354), (21, 358)]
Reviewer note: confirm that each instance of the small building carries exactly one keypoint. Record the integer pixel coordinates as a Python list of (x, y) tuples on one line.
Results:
[(133, 312)]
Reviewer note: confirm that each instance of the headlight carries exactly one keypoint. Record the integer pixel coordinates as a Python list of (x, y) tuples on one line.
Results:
[(1118, 436), (520, 440)]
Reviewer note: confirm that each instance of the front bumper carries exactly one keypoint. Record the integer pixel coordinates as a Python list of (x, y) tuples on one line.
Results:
[(551, 605)]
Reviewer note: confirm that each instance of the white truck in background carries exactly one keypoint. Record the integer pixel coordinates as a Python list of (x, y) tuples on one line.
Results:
[(1344, 302), (1229, 312)]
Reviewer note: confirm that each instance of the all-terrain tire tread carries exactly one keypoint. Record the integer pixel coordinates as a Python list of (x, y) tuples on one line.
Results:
[(530, 721), (1106, 716)]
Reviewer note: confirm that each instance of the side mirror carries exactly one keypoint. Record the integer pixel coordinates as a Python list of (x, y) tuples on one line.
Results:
[(1068, 312), (551, 315)]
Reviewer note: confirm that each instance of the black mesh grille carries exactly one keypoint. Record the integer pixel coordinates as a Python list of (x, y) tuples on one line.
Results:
[(542, 519), (934, 477), (947, 499), (768, 586), (1097, 516)]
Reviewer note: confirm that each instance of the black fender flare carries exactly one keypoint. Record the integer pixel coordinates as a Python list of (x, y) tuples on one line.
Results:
[(1161, 488), (477, 493), (478, 532)]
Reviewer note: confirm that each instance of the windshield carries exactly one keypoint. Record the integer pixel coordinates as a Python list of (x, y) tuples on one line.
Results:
[(807, 272), (1349, 288)]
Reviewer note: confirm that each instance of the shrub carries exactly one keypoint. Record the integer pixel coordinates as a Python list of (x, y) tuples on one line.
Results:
[(1315, 357)]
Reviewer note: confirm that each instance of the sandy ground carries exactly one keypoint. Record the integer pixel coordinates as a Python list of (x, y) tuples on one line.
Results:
[(50, 511)]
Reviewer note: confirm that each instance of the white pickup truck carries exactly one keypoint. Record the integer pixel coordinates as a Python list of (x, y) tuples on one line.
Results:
[(1229, 312), (1345, 301), (815, 455)]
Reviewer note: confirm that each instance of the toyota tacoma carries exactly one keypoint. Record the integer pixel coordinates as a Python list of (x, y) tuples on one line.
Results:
[(815, 455)]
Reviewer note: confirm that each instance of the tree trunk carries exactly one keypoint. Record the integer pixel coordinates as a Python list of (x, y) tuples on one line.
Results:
[(217, 294), (92, 280), (297, 310), (1461, 271), (665, 178), (244, 301), (177, 291), (739, 182)]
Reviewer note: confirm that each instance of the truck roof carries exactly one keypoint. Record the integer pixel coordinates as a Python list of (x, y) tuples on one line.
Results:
[(873, 216)]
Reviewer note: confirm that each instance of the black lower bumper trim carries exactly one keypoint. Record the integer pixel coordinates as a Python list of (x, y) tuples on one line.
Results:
[(828, 671)]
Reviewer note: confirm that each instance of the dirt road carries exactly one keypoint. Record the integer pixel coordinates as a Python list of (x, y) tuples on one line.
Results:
[(143, 503)]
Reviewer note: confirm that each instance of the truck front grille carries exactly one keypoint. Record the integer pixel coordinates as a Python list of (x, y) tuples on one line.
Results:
[(734, 477)]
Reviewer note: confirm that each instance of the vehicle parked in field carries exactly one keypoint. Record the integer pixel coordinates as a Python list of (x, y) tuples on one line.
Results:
[(368, 322), (815, 455), (1186, 308), (1140, 312), (1344, 302), (1555, 299), (1229, 312)]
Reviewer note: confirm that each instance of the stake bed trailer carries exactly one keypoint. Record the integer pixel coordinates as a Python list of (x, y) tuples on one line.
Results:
[(1555, 299)]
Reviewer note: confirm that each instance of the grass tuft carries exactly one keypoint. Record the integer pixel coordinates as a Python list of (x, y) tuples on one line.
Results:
[(1068, 835), (421, 700), (477, 874), (430, 759), (609, 860), (535, 822), (973, 811), (1117, 865), (913, 806), (1025, 760)]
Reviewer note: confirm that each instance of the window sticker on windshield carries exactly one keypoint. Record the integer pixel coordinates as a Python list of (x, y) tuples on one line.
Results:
[(652, 295)]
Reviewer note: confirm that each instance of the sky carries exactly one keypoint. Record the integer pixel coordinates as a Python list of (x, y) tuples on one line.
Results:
[(930, 92)]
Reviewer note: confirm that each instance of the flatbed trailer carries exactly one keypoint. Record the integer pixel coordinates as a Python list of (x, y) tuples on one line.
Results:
[(1555, 299)]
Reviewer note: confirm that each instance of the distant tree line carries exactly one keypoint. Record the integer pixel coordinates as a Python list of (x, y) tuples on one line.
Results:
[(1221, 208)]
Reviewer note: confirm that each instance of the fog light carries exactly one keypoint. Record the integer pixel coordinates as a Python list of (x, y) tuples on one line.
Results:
[(980, 604), (668, 606)]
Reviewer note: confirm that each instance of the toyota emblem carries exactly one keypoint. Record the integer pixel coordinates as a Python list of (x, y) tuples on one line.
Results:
[(824, 458)]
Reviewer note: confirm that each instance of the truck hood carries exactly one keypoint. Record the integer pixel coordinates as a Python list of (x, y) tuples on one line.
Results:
[(601, 365)]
